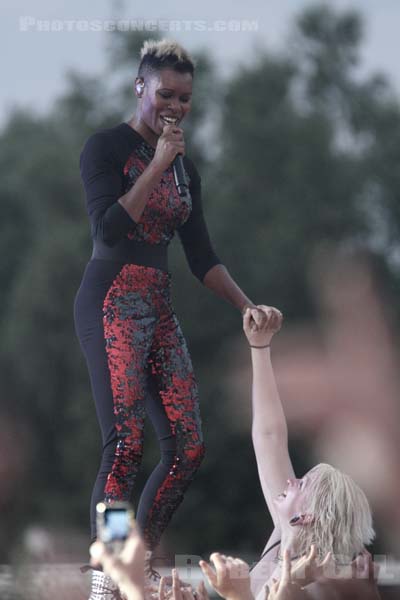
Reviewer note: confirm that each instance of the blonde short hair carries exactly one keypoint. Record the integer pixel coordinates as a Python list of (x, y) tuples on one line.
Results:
[(161, 54), (342, 519)]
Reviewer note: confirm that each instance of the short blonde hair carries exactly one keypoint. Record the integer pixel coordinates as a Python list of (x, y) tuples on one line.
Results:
[(161, 54), (342, 519)]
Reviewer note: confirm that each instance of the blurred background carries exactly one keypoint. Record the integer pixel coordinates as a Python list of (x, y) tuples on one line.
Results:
[(295, 130)]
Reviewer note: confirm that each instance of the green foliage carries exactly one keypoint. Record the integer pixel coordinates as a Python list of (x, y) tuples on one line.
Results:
[(305, 154)]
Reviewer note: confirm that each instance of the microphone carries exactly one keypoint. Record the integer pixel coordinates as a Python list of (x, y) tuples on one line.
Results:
[(180, 176)]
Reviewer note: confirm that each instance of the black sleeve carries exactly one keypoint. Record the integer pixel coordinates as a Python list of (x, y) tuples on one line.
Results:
[(194, 234), (109, 221)]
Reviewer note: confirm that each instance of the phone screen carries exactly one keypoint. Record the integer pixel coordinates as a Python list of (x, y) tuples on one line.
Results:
[(116, 525)]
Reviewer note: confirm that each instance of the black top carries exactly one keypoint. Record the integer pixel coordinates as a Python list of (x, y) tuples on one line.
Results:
[(270, 548), (274, 545), (110, 162)]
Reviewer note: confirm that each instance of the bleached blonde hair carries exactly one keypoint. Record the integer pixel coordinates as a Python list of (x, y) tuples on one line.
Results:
[(165, 53), (342, 519)]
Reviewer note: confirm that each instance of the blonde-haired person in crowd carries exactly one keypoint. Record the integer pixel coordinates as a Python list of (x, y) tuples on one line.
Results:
[(136, 354), (322, 522), (325, 509)]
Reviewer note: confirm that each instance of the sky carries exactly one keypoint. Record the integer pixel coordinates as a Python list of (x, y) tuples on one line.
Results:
[(33, 72)]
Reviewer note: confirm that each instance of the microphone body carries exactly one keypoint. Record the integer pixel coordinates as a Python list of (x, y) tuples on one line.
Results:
[(180, 176)]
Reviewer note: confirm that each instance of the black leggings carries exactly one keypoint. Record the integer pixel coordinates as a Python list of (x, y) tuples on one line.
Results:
[(138, 362)]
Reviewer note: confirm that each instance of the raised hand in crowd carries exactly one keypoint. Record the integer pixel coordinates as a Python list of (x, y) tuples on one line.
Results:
[(179, 590), (127, 568), (228, 576), (287, 588)]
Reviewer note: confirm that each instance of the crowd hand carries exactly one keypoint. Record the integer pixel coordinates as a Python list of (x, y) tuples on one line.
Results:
[(169, 144), (261, 323), (360, 586), (127, 568), (363, 567), (230, 577), (306, 569), (285, 588), (180, 591)]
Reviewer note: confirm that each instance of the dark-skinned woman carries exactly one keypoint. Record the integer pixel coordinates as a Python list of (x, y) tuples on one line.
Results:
[(136, 354)]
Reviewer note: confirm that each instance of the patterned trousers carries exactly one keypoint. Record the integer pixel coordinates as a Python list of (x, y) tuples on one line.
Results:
[(138, 362)]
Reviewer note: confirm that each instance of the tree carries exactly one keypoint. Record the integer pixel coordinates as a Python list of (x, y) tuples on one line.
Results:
[(308, 157)]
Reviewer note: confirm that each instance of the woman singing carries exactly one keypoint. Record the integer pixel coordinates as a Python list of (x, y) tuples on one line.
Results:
[(134, 348)]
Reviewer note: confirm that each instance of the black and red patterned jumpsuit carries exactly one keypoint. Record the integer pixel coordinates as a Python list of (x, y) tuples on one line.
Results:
[(136, 355)]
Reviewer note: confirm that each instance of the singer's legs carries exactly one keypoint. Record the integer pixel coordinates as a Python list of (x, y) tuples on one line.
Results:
[(115, 330), (174, 410), (129, 333)]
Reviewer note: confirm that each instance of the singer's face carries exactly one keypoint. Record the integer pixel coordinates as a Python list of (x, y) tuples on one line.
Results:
[(166, 94)]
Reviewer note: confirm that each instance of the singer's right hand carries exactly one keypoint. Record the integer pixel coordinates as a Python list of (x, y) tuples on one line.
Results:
[(169, 144)]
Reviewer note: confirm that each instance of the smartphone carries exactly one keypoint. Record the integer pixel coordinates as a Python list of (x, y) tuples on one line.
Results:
[(114, 523)]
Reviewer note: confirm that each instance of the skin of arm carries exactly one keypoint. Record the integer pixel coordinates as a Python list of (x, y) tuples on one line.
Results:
[(269, 428), (219, 281)]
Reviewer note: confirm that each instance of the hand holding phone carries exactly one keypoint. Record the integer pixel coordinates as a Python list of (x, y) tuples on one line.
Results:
[(114, 523)]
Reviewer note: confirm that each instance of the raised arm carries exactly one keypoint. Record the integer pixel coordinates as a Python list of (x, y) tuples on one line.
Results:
[(269, 429)]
